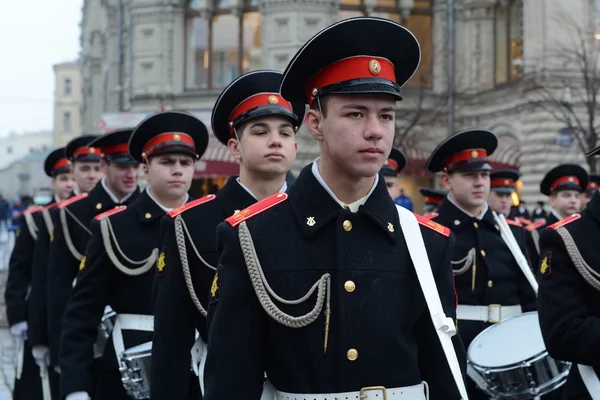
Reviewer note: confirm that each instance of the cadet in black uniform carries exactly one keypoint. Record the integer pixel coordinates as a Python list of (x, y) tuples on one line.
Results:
[(592, 188), (391, 169), (19, 282), (118, 268), (569, 295), (502, 186), (72, 219), (433, 199), (367, 330), (262, 139), (563, 185), (485, 269)]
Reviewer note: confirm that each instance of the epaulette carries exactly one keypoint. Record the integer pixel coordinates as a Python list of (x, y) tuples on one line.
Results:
[(430, 215), (434, 226), (176, 211), (32, 210), (513, 223), (115, 210), (48, 207), (256, 208), (72, 200), (523, 220), (565, 221), (535, 225)]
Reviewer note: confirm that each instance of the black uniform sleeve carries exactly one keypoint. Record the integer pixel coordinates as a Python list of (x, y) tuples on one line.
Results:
[(173, 324), (83, 314), (37, 331), (237, 327), (570, 331), (433, 364), (19, 275)]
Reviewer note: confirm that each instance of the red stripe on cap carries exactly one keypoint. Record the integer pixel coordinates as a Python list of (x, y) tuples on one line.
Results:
[(392, 163), (564, 179), (168, 139), (434, 200), (116, 148), (63, 162), (502, 183), (593, 186), (463, 156), (257, 100), (86, 150), (350, 68)]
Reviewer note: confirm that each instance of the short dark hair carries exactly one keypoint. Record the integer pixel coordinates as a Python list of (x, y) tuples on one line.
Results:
[(322, 100)]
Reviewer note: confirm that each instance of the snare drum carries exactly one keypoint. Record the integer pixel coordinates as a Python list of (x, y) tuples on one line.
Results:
[(104, 331), (509, 360), (135, 370)]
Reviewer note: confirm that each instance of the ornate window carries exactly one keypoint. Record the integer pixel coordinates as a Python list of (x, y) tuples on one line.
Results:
[(418, 21), (508, 33), (223, 41)]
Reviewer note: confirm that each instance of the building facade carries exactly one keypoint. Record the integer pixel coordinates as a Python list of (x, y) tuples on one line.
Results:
[(68, 96), (16, 146), (140, 56)]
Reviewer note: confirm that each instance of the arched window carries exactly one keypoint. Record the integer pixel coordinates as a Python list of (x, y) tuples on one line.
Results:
[(508, 41), (223, 43)]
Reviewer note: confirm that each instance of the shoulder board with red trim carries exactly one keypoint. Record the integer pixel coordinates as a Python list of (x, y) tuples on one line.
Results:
[(256, 208), (535, 225), (434, 226), (523, 220), (430, 215), (33, 210), (51, 206), (565, 221), (176, 211), (108, 213), (514, 223), (72, 200)]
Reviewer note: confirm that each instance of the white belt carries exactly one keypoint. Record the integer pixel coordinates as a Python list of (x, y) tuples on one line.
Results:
[(416, 392), (493, 313), (129, 322)]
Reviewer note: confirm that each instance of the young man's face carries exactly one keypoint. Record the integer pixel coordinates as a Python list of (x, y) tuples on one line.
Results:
[(356, 133), (500, 202), (391, 183), (86, 174), (170, 175), (469, 189), (565, 202), (267, 146), (121, 178), (63, 185)]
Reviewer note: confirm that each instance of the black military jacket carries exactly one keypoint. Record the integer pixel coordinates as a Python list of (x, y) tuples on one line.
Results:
[(63, 266), (494, 277), (569, 306), (37, 318), (18, 283), (380, 329), (176, 318), (100, 283)]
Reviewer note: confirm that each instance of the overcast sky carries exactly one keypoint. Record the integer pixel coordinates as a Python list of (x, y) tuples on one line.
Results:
[(34, 35)]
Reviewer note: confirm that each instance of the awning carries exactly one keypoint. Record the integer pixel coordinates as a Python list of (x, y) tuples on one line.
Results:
[(216, 161)]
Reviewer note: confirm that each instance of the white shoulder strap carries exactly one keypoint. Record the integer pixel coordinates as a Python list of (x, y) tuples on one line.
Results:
[(590, 380), (444, 326)]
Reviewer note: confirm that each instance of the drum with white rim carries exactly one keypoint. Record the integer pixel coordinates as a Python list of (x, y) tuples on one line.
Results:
[(509, 360), (135, 373)]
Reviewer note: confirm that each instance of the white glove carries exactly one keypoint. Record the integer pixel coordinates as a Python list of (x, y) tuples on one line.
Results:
[(40, 354), (57, 369), (19, 328), (78, 396)]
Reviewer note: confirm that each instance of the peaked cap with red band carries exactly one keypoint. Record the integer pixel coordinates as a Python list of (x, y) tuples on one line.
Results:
[(250, 96), (362, 55), (79, 149), (564, 177), (593, 184), (168, 132), (433, 197), (503, 180), (464, 151), (114, 146), (395, 163), (56, 163)]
